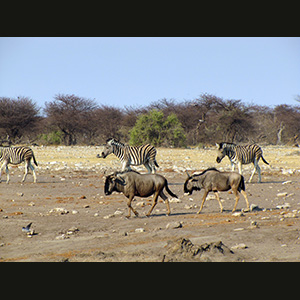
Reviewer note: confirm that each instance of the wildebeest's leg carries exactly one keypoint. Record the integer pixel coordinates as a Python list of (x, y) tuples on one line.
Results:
[(130, 207), (246, 198), (218, 198), (165, 198), (154, 202), (237, 197), (203, 200)]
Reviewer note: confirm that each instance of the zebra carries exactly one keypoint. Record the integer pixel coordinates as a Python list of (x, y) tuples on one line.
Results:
[(138, 155), (14, 156), (241, 155)]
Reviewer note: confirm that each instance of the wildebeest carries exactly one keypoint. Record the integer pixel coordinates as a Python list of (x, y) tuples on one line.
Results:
[(214, 180), (132, 183)]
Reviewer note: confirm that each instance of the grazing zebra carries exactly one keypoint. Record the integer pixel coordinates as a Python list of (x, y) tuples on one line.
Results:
[(241, 155), (139, 155), (14, 156)]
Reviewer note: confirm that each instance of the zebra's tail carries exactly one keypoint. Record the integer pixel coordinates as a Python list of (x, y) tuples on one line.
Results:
[(264, 160), (34, 160), (156, 164)]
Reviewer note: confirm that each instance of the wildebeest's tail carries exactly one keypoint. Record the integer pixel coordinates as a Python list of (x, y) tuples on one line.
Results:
[(242, 184), (169, 191)]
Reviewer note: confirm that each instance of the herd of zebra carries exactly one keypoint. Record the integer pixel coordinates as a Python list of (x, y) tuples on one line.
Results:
[(138, 155)]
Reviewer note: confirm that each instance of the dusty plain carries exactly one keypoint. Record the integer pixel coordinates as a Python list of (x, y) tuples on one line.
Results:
[(74, 221)]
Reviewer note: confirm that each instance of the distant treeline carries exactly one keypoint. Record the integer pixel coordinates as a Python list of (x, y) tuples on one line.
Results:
[(208, 119)]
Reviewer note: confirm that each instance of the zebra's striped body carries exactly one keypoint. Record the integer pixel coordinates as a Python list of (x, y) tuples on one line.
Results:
[(139, 155), (241, 155), (15, 156)]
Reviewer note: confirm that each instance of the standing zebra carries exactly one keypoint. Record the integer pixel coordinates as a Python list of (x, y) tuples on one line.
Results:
[(241, 155), (14, 156), (144, 154)]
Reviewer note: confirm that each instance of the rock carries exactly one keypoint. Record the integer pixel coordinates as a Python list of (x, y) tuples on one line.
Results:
[(62, 237), (239, 246), (108, 216), (118, 212), (290, 215), (255, 207), (184, 250), (20, 194), (140, 230), (174, 225), (286, 182), (74, 212), (282, 194), (285, 205), (31, 204), (239, 229), (238, 214), (174, 200), (59, 210)]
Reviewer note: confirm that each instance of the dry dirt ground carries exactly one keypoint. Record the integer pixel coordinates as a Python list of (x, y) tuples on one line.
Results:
[(74, 221)]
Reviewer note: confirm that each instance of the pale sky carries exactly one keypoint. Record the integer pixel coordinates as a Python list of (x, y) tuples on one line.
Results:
[(136, 71)]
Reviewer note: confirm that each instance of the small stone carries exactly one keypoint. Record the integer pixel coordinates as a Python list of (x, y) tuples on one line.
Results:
[(282, 194), (140, 230), (238, 214), (239, 246), (74, 212), (108, 216), (174, 225), (20, 194)]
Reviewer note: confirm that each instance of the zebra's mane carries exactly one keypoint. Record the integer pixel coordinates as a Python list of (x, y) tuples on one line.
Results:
[(225, 144), (115, 142)]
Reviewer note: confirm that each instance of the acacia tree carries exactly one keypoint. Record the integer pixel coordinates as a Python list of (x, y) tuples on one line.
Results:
[(17, 116), (71, 115)]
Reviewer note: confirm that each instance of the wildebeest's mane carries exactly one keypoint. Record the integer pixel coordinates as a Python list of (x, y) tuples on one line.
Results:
[(127, 171), (209, 169)]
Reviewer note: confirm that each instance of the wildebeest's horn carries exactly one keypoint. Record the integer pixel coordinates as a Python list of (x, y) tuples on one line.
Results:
[(121, 178), (187, 173)]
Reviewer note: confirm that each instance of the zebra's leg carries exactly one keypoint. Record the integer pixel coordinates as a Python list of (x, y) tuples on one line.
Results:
[(232, 166), (256, 168), (147, 166), (33, 172), (240, 167), (7, 174), (26, 170), (6, 170)]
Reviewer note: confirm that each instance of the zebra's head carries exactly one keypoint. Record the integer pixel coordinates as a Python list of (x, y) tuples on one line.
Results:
[(223, 150), (105, 150)]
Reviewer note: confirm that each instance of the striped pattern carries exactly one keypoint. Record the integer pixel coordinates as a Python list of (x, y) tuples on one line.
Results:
[(138, 155), (241, 155), (15, 156)]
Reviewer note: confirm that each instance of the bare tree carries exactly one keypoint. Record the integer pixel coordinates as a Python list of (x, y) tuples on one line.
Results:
[(17, 117), (71, 114)]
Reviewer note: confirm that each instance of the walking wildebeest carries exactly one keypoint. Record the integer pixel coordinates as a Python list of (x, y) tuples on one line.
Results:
[(214, 180), (132, 183)]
